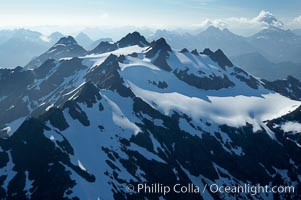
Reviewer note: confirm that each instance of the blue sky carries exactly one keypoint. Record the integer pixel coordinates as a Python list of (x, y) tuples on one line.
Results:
[(146, 13)]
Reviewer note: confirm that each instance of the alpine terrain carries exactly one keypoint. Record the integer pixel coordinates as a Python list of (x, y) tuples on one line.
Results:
[(84, 124)]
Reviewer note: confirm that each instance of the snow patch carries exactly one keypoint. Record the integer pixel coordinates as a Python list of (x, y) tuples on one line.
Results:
[(81, 165), (293, 127)]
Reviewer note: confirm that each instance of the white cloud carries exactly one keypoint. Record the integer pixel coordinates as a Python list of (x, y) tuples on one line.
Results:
[(263, 19), (267, 19), (297, 19), (295, 23), (208, 22), (247, 25)]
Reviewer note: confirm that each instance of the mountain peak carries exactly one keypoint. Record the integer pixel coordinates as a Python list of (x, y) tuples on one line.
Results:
[(55, 37), (103, 47), (55, 34), (293, 79), (135, 34), (207, 52), (222, 59), (184, 50), (195, 52), (65, 47), (82, 34), (226, 30), (159, 51), (219, 57), (134, 38), (130, 39), (83, 39), (160, 44), (274, 32), (213, 29), (69, 40)]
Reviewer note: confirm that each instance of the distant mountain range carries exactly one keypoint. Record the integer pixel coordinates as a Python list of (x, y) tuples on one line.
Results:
[(18, 47), (272, 53), (258, 65), (274, 43), (84, 124), (212, 38), (272, 49), (277, 44)]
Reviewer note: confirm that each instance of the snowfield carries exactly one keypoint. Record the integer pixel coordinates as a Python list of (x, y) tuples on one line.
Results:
[(234, 111)]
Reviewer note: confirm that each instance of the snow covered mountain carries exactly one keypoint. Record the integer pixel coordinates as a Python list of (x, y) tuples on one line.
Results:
[(65, 47), (84, 125)]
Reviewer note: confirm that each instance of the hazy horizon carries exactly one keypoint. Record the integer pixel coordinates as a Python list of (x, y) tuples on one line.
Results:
[(71, 17)]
